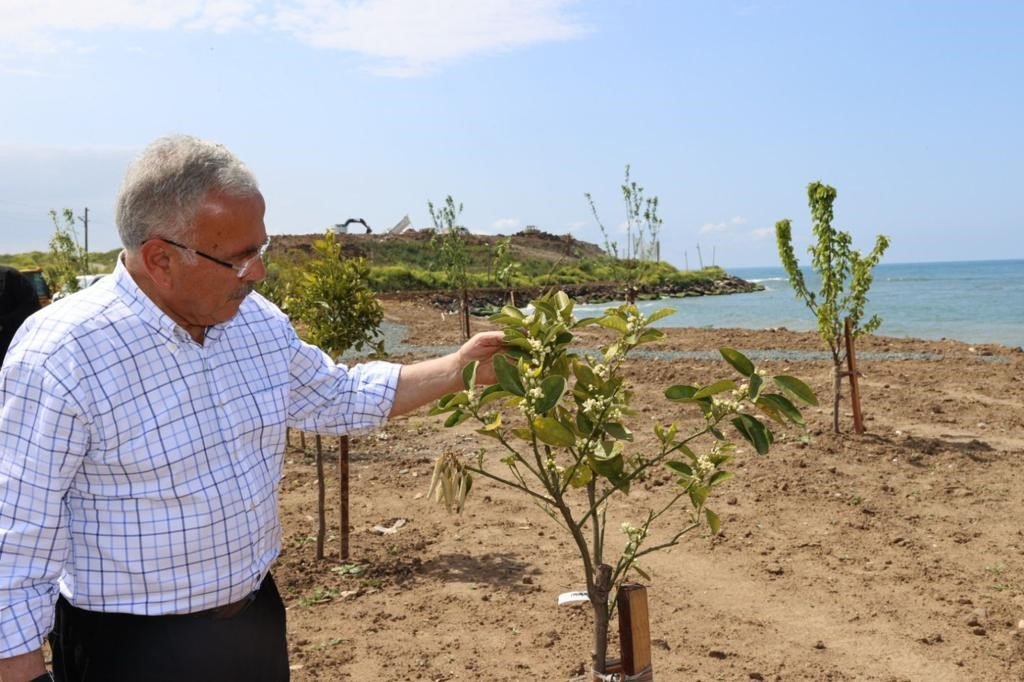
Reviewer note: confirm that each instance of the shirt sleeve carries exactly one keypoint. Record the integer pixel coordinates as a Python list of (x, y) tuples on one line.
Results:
[(329, 397), (42, 441)]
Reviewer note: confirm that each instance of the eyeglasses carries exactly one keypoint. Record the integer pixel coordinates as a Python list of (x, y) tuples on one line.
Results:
[(241, 270)]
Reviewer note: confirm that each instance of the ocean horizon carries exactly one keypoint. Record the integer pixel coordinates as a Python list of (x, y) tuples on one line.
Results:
[(970, 301)]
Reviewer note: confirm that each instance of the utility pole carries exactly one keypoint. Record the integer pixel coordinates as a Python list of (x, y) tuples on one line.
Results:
[(85, 222), (700, 257)]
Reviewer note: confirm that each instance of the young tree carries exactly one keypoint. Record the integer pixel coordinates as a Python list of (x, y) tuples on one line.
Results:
[(338, 311), (67, 257), (643, 227), (505, 267), (450, 242), (562, 438), (845, 280)]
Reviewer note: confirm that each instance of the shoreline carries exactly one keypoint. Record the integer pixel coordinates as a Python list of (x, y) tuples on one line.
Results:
[(418, 328)]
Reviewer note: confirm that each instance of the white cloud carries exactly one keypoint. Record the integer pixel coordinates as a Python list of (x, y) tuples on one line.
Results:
[(505, 225), (762, 232), (409, 37), (725, 226), (398, 37), (46, 26)]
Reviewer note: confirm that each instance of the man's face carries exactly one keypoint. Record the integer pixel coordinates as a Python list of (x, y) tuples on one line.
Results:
[(230, 229)]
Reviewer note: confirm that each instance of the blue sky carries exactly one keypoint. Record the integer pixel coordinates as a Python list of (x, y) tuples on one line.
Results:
[(725, 110)]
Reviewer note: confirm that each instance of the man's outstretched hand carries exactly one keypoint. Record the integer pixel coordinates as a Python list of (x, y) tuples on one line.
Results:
[(424, 382), (482, 347)]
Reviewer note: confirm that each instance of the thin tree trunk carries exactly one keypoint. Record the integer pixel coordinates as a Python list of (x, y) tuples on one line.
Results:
[(837, 385), (321, 530), (343, 496), (599, 602), (464, 305)]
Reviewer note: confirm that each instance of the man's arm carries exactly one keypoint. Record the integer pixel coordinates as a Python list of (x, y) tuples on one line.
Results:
[(423, 382), (22, 668)]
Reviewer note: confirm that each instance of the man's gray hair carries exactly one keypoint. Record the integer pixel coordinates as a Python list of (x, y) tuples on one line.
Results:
[(165, 187)]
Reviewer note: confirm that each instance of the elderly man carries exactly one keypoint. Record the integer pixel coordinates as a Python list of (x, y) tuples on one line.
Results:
[(142, 433)]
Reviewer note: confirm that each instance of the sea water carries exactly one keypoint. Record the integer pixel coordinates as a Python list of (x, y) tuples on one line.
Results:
[(971, 301)]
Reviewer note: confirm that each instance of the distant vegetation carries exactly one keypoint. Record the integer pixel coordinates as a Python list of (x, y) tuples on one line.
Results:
[(407, 262), (99, 261)]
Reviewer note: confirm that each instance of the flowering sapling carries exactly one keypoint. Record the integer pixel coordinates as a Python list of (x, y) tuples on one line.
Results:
[(563, 436)]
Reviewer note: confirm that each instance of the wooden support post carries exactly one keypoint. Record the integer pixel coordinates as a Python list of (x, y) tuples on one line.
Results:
[(851, 366), (635, 631), (321, 528), (343, 496)]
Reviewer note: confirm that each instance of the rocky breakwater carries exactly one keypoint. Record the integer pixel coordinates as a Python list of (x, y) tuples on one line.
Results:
[(486, 301)]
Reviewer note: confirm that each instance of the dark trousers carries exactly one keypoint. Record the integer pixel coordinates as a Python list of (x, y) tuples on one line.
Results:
[(249, 646)]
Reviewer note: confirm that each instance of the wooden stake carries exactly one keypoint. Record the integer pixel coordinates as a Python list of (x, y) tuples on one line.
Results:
[(343, 501), (321, 529), (851, 365), (634, 630)]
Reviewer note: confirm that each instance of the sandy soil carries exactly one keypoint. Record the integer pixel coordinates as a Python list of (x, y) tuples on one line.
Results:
[(896, 555)]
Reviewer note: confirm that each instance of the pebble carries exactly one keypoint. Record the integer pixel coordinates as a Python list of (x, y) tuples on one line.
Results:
[(819, 645), (715, 653), (978, 630)]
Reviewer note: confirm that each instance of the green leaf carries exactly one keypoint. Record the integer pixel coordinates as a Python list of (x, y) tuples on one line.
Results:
[(525, 434), (584, 374), (563, 338), (659, 314), (552, 387), (609, 467), (552, 432), (583, 423), (666, 434), (508, 376), (714, 523), (755, 433), (512, 311), (563, 302), (456, 417), (755, 385), (499, 318), (680, 467), (651, 335), (616, 430), (796, 388), (494, 424), (715, 388), (578, 475), (738, 360), (719, 477), (469, 375), (781, 405), (680, 393), (586, 322), (492, 393), (698, 495), (613, 322)]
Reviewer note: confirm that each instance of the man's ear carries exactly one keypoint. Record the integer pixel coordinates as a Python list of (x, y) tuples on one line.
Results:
[(155, 256)]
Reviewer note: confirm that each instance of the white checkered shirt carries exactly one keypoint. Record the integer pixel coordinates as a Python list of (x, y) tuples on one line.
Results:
[(138, 469)]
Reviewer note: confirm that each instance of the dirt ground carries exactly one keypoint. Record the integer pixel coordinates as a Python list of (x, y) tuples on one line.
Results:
[(896, 555)]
